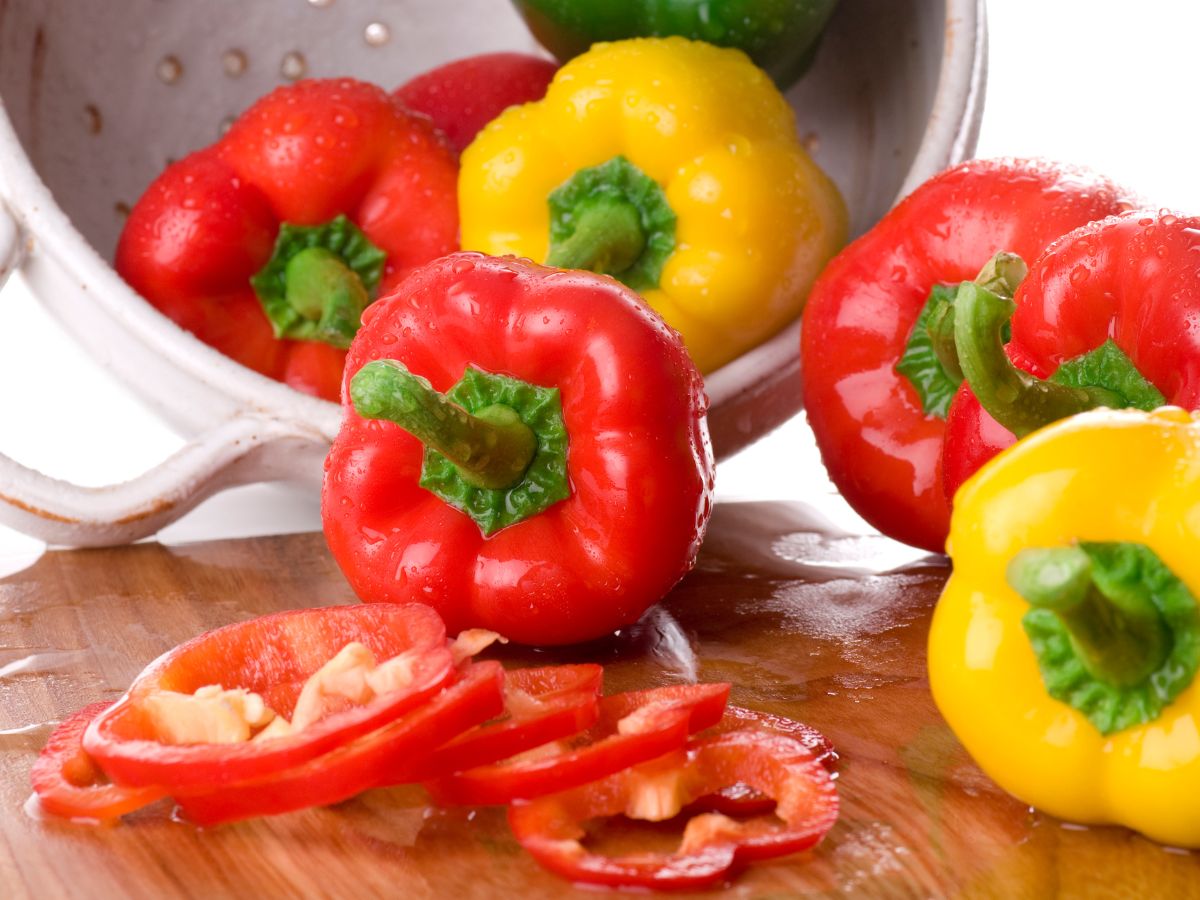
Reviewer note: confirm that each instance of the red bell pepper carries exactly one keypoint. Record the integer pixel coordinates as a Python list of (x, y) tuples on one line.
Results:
[(713, 845), (272, 656), (541, 705), (567, 484), (632, 728), (1106, 317), (268, 244), (877, 379), (463, 96), (373, 760), (68, 784)]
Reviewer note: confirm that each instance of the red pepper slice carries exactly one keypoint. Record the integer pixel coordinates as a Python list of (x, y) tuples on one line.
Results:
[(558, 701), (742, 800), (273, 656), (667, 715), (68, 783), (368, 762), (783, 767)]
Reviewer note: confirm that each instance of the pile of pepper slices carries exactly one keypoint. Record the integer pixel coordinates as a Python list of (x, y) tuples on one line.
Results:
[(332, 702)]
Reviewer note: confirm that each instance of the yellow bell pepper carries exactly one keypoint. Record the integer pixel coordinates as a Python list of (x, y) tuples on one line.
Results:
[(672, 165), (1076, 567)]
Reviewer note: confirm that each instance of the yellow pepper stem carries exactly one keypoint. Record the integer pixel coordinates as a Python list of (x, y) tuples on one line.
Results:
[(608, 237), (613, 219), (1121, 638)]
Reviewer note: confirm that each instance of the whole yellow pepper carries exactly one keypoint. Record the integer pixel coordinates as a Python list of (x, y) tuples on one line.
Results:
[(672, 165), (1076, 567)]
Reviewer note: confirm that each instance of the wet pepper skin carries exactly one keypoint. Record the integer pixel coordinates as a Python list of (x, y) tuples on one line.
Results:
[(1106, 475), (756, 218), (639, 461), (303, 154), (882, 450), (1131, 278)]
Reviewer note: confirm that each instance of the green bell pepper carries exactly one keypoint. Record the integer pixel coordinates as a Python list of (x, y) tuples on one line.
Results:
[(781, 36)]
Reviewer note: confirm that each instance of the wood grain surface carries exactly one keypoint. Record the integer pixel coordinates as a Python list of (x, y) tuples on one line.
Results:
[(803, 620)]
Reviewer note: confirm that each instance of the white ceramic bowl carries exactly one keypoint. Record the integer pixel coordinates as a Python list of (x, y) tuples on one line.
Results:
[(98, 97)]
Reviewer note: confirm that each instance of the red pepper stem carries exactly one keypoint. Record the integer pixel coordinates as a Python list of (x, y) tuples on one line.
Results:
[(1020, 402), (491, 449), (325, 291), (608, 237), (1121, 641)]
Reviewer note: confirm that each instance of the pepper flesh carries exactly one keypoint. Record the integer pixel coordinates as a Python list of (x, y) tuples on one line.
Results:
[(1103, 281), (756, 218), (638, 460), (881, 447), (302, 155), (272, 656), (1109, 476)]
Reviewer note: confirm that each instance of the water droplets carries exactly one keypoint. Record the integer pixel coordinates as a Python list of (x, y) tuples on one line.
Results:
[(377, 34), (1080, 275)]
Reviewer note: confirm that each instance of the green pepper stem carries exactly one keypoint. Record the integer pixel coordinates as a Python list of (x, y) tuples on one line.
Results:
[(322, 289), (608, 237), (491, 449), (1122, 639), (1020, 402)]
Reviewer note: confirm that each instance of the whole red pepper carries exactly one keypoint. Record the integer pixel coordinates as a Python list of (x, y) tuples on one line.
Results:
[(568, 479), (268, 244), (1106, 317), (463, 96), (876, 383)]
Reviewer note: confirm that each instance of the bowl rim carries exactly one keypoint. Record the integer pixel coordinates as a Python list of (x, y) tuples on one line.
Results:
[(949, 137)]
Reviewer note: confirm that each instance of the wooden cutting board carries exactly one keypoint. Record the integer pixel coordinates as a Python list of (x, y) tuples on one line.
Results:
[(803, 620)]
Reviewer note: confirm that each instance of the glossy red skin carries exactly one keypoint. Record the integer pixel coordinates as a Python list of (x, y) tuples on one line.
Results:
[(567, 703), (463, 96), (273, 656), (972, 436), (639, 459), (779, 766), (1132, 278), (882, 451), (741, 799), (373, 760), (303, 154), (679, 710), (68, 783)]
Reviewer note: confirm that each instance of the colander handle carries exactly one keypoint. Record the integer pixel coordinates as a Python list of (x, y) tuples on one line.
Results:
[(12, 243), (244, 450)]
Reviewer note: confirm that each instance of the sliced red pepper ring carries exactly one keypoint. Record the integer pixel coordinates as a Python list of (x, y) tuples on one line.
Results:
[(272, 656), (741, 799), (365, 763), (68, 784), (632, 728), (541, 705), (551, 828)]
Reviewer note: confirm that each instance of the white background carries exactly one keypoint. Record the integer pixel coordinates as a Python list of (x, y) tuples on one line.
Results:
[(1102, 83)]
